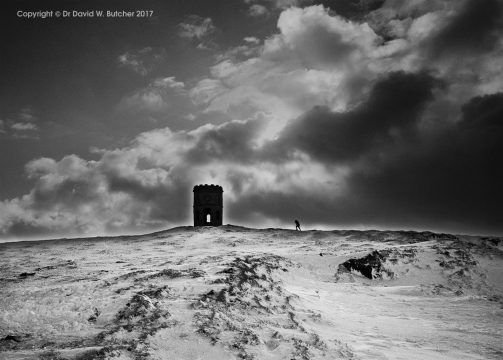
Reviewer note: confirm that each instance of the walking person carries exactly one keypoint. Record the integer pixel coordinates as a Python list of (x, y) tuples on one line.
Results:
[(297, 225)]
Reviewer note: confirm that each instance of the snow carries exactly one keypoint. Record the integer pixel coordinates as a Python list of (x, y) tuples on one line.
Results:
[(238, 293)]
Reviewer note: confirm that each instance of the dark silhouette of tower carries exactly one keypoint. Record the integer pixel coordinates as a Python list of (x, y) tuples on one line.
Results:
[(208, 205)]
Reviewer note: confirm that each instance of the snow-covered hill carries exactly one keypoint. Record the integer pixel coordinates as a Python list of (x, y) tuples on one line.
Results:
[(239, 293)]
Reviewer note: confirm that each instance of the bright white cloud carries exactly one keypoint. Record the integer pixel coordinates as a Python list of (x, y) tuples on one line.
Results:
[(324, 40), (289, 76)]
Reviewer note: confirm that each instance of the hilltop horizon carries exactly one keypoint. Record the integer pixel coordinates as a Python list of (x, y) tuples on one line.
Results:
[(226, 227)]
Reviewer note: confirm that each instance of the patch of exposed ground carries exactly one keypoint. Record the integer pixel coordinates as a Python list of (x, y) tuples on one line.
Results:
[(252, 314)]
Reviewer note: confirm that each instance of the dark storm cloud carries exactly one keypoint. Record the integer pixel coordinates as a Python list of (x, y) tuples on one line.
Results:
[(390, 112), (451, 179), (454, 178), (476, 28)]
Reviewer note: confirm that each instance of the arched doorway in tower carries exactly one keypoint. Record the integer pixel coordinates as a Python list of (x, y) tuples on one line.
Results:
[(207, 216)]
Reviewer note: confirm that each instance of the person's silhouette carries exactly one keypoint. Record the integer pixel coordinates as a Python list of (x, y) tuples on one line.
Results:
[(297, 225)]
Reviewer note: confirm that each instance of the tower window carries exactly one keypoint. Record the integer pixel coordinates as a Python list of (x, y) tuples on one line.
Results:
[(208, 218)]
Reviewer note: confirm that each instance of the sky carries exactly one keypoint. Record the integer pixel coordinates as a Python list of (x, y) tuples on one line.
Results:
[(363, 114)]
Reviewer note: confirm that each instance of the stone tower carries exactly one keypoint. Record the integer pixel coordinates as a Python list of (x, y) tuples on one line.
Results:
[(208, 205)]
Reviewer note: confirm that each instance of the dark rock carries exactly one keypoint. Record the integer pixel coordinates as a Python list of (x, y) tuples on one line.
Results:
[(69, 264), (94, 316), (26, 274), (370, 266), (494, 241), (156, 293), (15, 338), (13, 342), (173, 273)]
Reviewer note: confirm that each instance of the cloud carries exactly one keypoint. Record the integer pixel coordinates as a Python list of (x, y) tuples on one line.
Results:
[(234, 141), (446, 180), (476, 28), (320, 58), (321, 39), (278, 4), (21, 126), (252, 40), (143, 61), (240, 52), (355, 10), (115, 194), (316, 59), (196, 27), (24, 127), (27, 115), (257, 10), (452, 177), (390, 113), (157, 97), (206, 90), (143, 186), (266, 8)]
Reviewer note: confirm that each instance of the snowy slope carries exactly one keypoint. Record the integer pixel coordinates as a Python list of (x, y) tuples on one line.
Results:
[(239, 293)]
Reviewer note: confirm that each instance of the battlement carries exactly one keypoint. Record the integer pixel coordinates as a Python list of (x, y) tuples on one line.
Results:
[(208, 188)]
